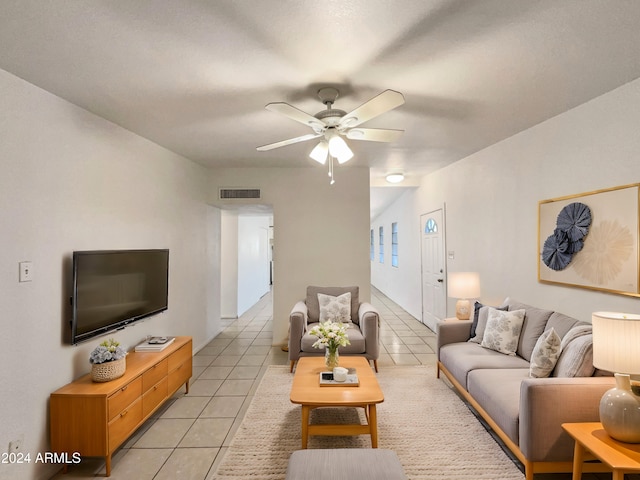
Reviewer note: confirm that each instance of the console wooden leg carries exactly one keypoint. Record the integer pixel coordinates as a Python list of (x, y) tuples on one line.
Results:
[(108, 465)]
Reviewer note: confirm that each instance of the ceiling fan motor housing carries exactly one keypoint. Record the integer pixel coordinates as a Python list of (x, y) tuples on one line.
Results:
[(331, 116)]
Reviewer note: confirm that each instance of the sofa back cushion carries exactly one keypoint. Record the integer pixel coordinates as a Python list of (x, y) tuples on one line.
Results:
[(562, 323), (313, 306), (535, 320)]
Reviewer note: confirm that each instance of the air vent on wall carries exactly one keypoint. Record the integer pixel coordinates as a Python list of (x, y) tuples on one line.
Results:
[(239, 193)]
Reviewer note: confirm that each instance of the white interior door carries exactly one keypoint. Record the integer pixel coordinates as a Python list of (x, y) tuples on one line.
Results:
[(434, 294)]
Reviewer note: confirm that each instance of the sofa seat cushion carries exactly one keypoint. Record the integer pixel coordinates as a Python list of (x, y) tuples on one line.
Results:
[(497, 391), (463, 357), (356, 339)]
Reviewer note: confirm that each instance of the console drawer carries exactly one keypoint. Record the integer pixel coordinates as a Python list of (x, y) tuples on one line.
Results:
[(179, 357), (123, 397), (123, 424), (154, 397), (154, 375), (180, 375)]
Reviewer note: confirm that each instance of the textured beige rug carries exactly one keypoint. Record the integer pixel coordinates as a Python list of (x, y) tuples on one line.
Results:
[(422, 420)]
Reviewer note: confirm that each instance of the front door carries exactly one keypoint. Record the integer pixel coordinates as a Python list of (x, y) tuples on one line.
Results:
[(434, 294)]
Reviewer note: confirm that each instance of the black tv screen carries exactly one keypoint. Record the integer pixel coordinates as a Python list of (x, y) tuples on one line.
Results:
[(113, 288)]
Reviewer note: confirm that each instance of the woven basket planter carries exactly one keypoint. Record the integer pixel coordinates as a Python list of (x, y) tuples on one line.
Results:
[(107, 371)]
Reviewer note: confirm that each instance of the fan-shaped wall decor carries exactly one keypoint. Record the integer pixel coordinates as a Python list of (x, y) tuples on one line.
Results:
[(567, 239), (590, 240)]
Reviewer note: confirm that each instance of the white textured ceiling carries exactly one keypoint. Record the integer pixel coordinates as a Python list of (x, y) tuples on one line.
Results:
[(194, 76)]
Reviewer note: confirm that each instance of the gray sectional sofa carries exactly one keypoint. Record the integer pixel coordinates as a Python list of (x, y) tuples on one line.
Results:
[(525, 412)]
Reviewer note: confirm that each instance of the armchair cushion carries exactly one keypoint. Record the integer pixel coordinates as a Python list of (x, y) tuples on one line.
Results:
[(313, 306)]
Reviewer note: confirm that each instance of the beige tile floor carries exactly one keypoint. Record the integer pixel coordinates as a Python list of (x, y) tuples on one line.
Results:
[(191, 433)]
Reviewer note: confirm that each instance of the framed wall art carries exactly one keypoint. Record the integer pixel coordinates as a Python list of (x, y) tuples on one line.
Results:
[(590, 240)]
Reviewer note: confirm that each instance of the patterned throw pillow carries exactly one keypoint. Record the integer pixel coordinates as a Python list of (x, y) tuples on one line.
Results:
[(335, 309), (545, 354), (503, 330), (480, 318)]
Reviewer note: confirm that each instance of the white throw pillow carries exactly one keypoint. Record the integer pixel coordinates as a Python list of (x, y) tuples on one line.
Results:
[(335, 309), (545, 354), (503, 330), (481, 321)]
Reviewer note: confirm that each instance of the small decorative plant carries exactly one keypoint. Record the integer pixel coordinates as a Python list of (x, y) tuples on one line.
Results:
[(108, 351)]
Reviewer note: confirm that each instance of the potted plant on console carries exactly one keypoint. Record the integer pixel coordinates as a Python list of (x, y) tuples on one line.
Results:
[(108, 361)]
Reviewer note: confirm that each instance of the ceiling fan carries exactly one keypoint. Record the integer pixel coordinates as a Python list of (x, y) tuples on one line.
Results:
[(332, 124)]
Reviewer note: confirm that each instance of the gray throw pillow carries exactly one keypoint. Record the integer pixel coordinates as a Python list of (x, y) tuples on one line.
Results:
[(576, 359)]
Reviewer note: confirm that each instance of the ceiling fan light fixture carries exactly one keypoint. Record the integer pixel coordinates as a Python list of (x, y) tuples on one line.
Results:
[(339, 149), (320, 152), (395, 177)]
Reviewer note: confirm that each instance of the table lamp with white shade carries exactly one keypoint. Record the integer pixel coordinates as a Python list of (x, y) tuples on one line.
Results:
[(463, 286), (616, 348)]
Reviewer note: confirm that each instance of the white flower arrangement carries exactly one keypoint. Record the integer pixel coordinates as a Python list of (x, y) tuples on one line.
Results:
[(330, 335), (108, 351)]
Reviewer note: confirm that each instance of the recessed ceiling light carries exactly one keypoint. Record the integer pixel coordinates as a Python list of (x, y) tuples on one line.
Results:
[(395, 177)]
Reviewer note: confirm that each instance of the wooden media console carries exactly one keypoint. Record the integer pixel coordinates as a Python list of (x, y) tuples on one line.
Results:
[(94, 419)]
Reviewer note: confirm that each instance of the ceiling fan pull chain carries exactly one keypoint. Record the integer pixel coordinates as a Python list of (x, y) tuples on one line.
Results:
[(331, 170)]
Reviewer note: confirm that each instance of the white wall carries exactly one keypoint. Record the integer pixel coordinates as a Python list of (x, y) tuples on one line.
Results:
[(253, 260), (229, 265), (245, 261), (492, 200), (72, 181), (321, 232)]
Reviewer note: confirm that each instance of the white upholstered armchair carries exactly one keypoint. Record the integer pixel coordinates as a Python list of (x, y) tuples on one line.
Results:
[(363, 332)]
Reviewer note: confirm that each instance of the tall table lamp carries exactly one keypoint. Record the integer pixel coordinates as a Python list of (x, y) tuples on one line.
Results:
[(463, 286), (616, 348)]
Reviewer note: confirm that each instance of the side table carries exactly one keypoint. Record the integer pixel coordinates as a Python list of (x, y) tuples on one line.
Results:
[(591, 437)]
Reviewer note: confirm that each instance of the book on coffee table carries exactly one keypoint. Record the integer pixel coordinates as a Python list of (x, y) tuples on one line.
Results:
[(326, 379)]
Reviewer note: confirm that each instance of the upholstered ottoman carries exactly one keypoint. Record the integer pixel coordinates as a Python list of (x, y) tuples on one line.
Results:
[(345, 464)]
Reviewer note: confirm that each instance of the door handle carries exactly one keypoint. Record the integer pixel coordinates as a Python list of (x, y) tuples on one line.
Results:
[(440, 280)]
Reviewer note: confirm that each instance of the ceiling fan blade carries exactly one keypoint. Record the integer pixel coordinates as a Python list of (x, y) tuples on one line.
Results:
[(290, 141), (387, 100), (294, 114), (374, 134)]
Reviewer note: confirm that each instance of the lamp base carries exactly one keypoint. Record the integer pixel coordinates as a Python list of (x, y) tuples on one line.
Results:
[(620, 411), (463, 310)]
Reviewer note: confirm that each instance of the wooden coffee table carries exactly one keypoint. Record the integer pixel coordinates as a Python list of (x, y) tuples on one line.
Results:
[(307, 392)]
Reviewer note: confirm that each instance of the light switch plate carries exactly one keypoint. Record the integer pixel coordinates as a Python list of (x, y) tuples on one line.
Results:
[(26, 271)]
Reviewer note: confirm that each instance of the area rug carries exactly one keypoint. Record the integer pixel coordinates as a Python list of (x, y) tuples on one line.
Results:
[(422, 420)]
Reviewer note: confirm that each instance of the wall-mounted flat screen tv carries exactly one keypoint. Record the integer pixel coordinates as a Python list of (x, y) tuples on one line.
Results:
[(114, 288)]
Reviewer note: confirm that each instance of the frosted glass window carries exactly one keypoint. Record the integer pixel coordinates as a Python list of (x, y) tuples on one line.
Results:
[(431, 226), (371, 247), (394, 244)]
